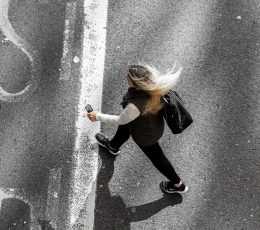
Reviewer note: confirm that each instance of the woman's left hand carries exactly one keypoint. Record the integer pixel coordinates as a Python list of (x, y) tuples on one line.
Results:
[(92, 116)]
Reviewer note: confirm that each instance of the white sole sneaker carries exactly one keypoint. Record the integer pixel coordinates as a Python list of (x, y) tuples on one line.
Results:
[(171, 191), (113, 153)]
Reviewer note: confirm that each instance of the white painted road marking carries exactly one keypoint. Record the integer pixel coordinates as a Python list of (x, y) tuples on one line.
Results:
[(43, 1), (32, 54), (85, 159), (66, 60), (5, 195), (52, 207)]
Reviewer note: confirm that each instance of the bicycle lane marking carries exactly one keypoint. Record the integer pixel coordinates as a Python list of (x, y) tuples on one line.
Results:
[(23, 45), (85, 157)]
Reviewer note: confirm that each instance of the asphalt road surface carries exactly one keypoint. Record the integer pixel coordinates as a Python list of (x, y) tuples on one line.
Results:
[(37, 133), (216, 42)]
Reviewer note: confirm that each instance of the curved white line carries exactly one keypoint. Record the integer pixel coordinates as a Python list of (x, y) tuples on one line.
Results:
[(6, 193), (32, 54)]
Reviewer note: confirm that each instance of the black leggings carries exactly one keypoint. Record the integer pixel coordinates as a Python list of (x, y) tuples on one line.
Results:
[(153, 152)]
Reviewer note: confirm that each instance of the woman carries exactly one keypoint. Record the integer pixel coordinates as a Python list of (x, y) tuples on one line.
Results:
[(142, 118)]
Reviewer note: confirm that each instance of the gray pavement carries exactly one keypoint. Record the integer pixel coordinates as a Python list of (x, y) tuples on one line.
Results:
[(217, 43)]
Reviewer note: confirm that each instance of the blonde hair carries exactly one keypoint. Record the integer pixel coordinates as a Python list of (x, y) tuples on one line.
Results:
[(149, 79)]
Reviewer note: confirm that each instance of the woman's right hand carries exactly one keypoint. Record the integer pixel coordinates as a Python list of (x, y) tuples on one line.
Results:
[(92, 116)]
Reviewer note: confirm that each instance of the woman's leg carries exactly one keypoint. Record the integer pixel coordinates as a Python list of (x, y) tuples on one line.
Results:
[(121, 136), (159, 160)]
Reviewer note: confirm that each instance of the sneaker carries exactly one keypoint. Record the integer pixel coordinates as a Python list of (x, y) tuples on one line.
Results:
[(104, 141), (168, 187)]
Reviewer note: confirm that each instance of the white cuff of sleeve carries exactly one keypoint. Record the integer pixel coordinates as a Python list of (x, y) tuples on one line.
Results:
[(97, 116)]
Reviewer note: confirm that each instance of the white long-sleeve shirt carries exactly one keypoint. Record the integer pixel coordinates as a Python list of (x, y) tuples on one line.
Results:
[(128, 114)]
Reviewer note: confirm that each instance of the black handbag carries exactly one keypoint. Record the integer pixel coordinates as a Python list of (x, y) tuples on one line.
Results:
[(175, 114)]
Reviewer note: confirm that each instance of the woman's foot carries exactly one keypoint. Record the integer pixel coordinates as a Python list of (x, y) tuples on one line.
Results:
[(169, 187), (104, 141)]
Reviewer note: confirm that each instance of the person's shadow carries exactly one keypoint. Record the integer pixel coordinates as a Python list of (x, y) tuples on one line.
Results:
[(111, 211)]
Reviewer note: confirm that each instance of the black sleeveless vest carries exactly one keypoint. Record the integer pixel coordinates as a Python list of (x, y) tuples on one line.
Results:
[(145, 129)]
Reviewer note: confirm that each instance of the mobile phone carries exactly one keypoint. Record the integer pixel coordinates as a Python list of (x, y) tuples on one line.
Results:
[(88, 108)]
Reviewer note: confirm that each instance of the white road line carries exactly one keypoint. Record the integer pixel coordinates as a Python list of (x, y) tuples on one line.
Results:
[(52, 206), (66, 59), (85, 159), (5, 195), (32, 54), (43, 1)]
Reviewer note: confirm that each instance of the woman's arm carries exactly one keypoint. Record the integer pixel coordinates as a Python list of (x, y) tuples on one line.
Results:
[(130, 113)]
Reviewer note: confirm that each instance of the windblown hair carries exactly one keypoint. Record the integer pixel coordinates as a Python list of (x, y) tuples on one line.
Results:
[(149, 79)]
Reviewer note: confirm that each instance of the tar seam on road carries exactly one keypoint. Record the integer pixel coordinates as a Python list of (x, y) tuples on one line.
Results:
[(85, 157)]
